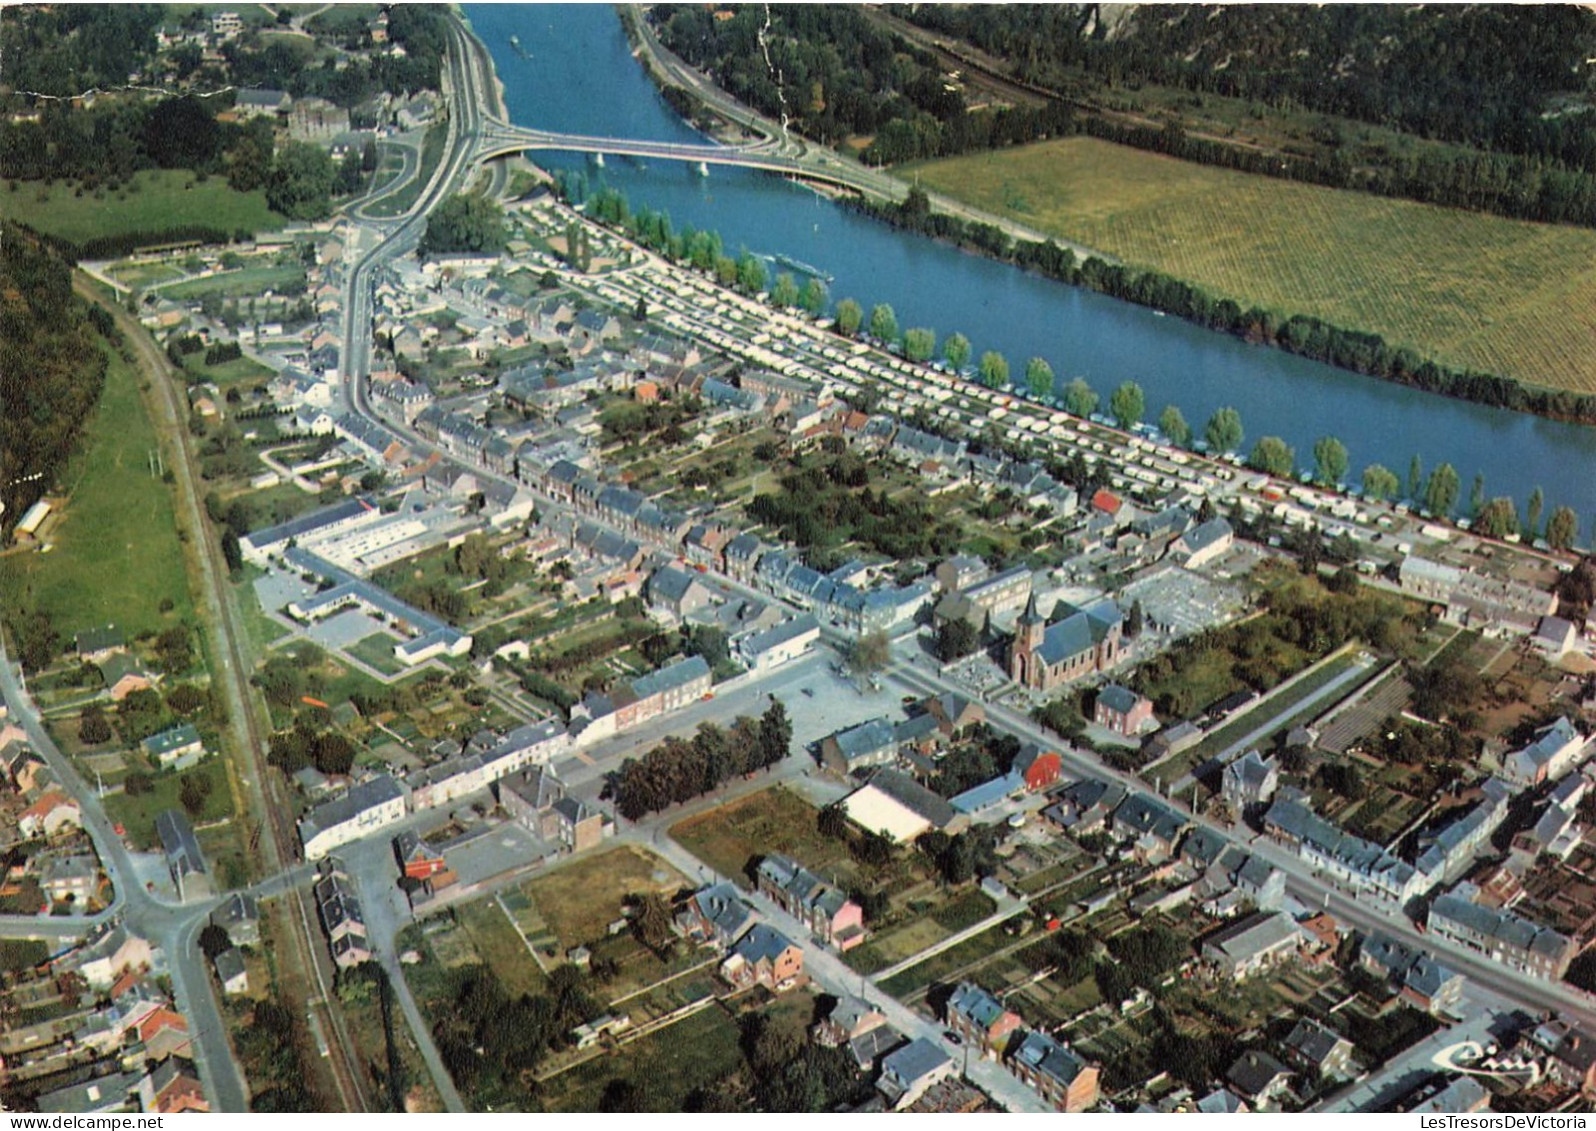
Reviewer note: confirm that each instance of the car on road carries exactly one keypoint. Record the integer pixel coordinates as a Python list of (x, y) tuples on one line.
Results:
[(953, 1038)]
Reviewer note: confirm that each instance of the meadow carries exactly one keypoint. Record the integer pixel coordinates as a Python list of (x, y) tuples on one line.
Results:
[(115, 556), (158, 199), (1467, 289)]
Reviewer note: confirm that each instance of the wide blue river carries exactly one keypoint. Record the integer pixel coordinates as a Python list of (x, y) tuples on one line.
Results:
[(575, 73)]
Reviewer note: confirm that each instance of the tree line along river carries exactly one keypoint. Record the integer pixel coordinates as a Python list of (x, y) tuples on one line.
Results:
[(574, 72)]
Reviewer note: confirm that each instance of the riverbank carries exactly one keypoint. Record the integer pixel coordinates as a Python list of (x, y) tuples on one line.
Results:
[(999, 235), (586, 80), (1471, 290)]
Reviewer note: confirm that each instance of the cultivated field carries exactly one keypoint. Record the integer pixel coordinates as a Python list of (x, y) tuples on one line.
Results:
[(1504, 296), (159, 199), (116, 555)]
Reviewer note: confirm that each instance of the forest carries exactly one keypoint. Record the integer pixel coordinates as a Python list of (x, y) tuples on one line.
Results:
[(1506, 89), (835, 76), (1513, 84), (53, 364)]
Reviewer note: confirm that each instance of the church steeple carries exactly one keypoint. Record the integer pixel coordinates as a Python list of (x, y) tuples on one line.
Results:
[(1028, 633)]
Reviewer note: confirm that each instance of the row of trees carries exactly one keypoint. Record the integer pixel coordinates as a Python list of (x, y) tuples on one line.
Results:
[(680, 769), (1223, 431)]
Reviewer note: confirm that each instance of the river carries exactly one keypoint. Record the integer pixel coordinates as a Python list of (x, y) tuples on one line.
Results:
[(575, 73)]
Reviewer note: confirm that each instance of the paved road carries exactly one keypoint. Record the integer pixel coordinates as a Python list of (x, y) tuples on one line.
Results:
[(828, 970), (170, 926), (1350, 908)]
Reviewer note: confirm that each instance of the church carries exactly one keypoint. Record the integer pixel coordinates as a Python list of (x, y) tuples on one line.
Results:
[(1044, 656)]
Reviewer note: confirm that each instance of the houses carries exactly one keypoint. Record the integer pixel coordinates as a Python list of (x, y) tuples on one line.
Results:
[(823, 908), (71, 877), (1045, 656), (576, 825), (341, 917), (768, 650), (1570, 1055), (860, 747), (418, 860), (1262, 940), (1557, 748), (49, 816), (1366, 866), (239, 916), (632, 702), (255, 102), (1084, 806), (742, 556), (95, 645), (1036, 767), (109, 953), (850, 1019), (980, 1019), (364, 809), (1419, 979), (1476, 600), (1507, 938), (1055, 1072), (900, 808), (1199, 547), (230, 971), (907, 1073), (1152, 826), (172, 1086), (1249, 781), (763, 957), (678, 591), (1447, 853), (1121, 710), (1258, 1077), (184, 861), (176, 749), (716, 915), (1319, 1050), (953, 712), (1555, 637), (123, 676), (1459, 1095)]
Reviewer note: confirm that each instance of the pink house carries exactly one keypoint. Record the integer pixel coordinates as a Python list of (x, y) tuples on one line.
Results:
[(1122, 710), (822, 908)]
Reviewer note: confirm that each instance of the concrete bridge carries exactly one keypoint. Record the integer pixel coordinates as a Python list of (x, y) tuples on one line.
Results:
[(498, 139)]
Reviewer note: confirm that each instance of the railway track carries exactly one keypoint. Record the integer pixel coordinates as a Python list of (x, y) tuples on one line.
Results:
[(258, 793)]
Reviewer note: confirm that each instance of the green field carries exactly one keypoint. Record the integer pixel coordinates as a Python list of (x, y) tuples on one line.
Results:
[(116, 555), (159, 199), (1504, 296), (137, 814), (665, 1066), (243, 283), (431, 153)]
